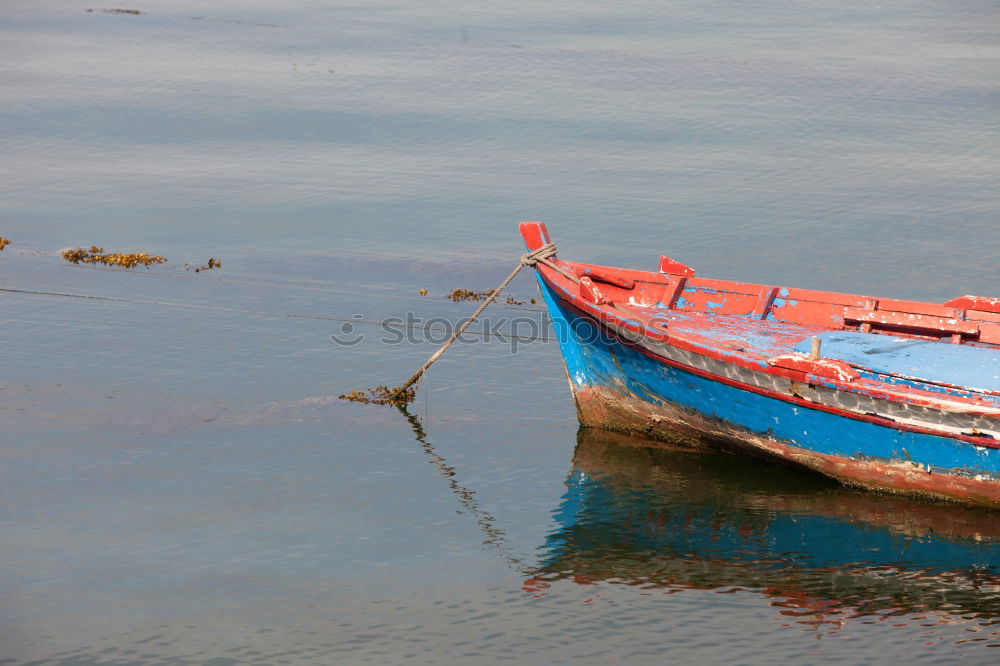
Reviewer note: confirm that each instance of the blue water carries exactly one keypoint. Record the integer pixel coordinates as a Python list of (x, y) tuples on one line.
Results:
[(178, 481)]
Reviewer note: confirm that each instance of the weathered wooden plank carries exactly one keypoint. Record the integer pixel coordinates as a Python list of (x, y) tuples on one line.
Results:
[(910, 322)]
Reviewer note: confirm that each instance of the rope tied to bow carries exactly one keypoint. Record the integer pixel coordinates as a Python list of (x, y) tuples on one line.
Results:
[(544, 252), (533, 258), (541, 256)]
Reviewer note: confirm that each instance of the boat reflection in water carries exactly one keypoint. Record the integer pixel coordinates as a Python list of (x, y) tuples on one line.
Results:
[(638, 513)]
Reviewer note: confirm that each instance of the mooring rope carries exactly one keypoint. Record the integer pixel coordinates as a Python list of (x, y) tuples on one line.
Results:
[(541, 255)]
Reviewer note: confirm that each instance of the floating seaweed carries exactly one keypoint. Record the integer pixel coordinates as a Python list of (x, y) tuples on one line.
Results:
[(381, 395), (422, 292), (212, 263), (96, 255), (460, 295), (3, 243)]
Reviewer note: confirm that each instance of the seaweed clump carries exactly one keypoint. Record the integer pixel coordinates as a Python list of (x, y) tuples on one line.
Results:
[(212, 263), (3, 243), (381, 395), (460, 295), (96, 255)]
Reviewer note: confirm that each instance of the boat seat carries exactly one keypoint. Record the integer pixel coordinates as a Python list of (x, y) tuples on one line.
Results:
[(929, 360)]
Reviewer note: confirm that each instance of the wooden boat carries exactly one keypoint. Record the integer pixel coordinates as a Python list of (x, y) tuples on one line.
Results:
[(889, 394)]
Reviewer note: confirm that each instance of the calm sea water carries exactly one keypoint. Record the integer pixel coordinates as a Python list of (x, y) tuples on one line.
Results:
[(179, 483)]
